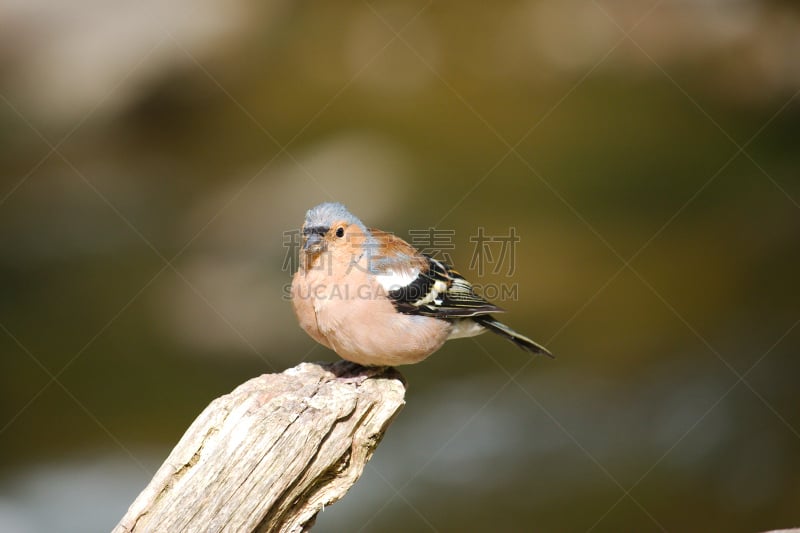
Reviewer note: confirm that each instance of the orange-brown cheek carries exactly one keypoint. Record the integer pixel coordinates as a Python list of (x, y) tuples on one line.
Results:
[(354, 236)]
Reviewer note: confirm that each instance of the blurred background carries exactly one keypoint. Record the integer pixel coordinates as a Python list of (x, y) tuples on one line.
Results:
[(154, 154)]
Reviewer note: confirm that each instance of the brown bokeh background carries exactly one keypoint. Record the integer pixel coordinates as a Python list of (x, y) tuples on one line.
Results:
[(153, 155)]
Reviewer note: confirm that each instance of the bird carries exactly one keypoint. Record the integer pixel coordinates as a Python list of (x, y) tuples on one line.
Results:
[(375, 300)]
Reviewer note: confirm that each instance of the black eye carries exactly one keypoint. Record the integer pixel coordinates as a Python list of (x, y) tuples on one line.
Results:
[(340, 232)]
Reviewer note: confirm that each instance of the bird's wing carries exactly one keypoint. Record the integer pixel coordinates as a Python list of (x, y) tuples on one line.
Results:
[(439, 291), (418, 284)]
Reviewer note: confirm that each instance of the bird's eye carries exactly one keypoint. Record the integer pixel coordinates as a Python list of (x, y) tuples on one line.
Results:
[(340, 232)]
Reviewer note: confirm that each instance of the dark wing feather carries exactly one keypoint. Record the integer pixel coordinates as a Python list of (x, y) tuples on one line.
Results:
[(441, 292)]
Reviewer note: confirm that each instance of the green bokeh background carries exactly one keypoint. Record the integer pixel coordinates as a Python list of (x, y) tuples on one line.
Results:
[(153, 156)]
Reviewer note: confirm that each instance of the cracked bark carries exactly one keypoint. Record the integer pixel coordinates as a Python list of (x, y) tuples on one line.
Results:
[(272, 453)]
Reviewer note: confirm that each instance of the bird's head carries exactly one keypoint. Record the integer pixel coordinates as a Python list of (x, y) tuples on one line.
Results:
[(330, 226)]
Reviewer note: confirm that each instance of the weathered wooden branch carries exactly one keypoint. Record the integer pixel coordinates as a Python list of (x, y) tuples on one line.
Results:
[(272, 453)]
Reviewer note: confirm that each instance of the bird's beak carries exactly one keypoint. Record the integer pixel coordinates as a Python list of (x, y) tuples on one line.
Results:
[(313, 243)]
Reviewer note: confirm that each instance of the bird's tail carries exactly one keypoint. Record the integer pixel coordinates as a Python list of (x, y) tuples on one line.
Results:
[(504, 331)]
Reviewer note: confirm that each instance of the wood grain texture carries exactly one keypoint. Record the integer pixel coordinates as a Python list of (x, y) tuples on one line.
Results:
[(269, 455)]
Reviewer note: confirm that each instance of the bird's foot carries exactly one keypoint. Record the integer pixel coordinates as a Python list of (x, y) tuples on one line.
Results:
[(354, 373)]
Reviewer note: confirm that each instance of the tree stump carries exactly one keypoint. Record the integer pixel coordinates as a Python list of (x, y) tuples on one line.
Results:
[(272, 453)]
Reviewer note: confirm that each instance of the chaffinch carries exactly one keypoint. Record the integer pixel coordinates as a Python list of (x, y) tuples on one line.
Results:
[(375, 300)]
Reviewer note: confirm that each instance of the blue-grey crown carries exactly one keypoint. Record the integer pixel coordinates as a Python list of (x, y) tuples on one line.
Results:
[(326, 214)]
